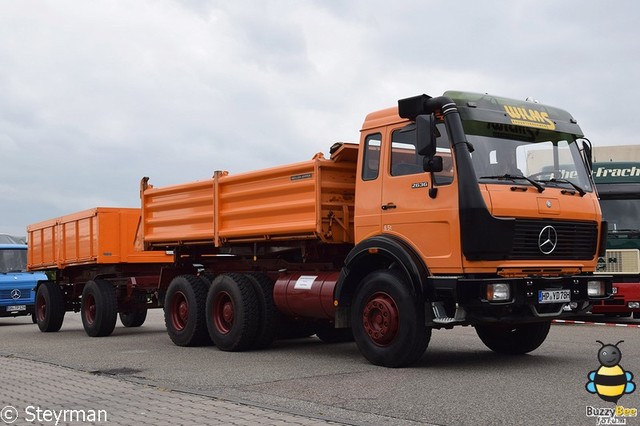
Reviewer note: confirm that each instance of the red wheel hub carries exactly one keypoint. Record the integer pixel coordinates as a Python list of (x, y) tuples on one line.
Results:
[(89, 308), (41, 309), (223, 312), (179, 311), (381, 319)]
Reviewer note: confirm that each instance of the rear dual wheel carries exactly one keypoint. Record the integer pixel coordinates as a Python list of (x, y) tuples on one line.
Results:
[(99, 308), (184, 311), (233, 312)]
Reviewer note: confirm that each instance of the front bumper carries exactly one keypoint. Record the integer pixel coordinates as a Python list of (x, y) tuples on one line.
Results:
[(524, 303)]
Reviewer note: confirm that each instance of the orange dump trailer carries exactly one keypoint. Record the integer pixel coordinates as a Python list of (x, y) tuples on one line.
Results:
[(91, 255)]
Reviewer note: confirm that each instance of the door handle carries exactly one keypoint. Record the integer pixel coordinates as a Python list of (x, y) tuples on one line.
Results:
[(389, 206)]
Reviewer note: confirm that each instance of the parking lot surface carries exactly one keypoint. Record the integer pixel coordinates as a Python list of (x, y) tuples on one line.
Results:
[(40, 393)]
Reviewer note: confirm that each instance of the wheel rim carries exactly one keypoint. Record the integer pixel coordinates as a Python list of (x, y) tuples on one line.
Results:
[(380, 318), (223, 312), (41, 309), (89, 308), (179, 311)]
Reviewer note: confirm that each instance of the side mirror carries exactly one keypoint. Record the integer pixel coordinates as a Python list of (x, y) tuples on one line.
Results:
[(433, 164), (426, 135)]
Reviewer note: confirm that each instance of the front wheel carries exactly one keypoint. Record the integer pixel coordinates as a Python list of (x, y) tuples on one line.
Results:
[(513, 339), (50, 308), (388, 320)]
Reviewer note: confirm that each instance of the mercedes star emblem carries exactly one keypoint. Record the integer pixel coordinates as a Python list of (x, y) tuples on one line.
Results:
[(15, 293), (547, 239)]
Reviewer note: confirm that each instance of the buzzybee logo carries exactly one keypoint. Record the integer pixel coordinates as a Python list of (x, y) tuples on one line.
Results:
[(610, 382)]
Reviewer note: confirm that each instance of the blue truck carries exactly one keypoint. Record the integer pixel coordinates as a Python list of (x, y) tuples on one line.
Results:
[(17, 286)]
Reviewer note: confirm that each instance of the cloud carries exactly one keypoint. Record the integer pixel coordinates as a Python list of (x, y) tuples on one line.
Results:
[(96, 95)]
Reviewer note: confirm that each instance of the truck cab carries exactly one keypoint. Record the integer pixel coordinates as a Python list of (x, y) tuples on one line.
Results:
[(453, 181), (17, 286)]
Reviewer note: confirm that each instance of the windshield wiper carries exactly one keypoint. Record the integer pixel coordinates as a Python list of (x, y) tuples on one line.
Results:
[(576, 187), (539, 187)]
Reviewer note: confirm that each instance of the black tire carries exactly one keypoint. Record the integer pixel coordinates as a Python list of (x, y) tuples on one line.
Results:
[(207, 277), (134, 318), (233, 312), (329, 334), (184, 311), (388, 321), (99, 308), (50, 307), (34, 318), (513, 339), (269, 315)]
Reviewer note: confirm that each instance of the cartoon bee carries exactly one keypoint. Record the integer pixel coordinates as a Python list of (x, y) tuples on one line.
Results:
[(610, 381)]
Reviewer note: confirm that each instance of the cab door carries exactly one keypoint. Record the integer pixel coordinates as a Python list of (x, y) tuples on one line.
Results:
[(417, 206), (369, 187)]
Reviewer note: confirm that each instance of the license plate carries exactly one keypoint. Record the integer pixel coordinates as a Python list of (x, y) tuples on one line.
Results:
[(554, 296), (16, 308)]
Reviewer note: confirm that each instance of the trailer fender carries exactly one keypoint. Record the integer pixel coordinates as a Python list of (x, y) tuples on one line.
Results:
[(379, 252)]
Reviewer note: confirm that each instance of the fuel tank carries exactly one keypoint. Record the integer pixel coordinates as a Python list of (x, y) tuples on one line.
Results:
[(306, 294)]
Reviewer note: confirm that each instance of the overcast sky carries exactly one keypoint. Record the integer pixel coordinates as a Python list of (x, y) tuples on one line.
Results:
[(95, 95)]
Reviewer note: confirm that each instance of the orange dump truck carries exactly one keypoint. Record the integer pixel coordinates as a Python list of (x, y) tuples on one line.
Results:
[(437, 219), (97, 270)]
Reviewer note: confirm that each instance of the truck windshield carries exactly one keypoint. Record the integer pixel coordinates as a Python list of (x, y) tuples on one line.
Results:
[(546, 159), (621, 215), (13, 260)]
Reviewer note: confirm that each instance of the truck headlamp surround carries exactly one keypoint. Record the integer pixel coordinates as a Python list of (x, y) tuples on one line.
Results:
[(498, 292), (633, 305)]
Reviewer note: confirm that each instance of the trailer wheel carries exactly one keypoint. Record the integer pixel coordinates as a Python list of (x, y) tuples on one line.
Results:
[(388, 320), (233, 313), (49, 309), (513, 339), (184, 313), (134, 318), (99, 308), (269, 314)]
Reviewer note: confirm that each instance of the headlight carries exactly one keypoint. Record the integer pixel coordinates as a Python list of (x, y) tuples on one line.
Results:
[(595, 288), (498, 292), (633, 305)]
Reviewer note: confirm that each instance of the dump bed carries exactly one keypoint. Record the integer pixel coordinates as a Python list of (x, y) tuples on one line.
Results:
[(307, 200), (97, 236)]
